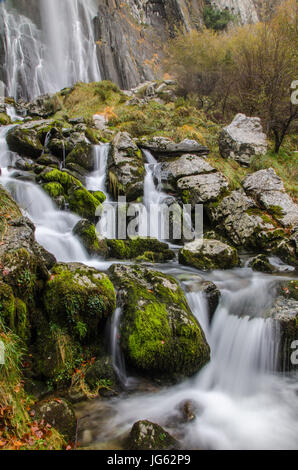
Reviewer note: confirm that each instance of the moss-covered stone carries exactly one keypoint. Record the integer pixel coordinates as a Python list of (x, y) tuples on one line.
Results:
[(145, 435), (79, 298), (4, 119), (78, 198), (24, 141), (60, 414), (261, 263), (208, 255), (100, 196), (9, 210), (7, 305), (146, 249), (82, 155), (91, 240), (159, 334)]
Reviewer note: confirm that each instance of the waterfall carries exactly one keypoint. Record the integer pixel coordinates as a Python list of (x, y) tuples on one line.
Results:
[(61, 53), (96, 181), (239, 400)]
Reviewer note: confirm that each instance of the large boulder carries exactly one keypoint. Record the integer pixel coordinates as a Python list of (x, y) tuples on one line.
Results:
[(65, 190), (57, 412), (238, 217), (164, 147), (24, 141), (268, 189), (79, 298), (145, 435), (208, 255), (243, 139), (94, 244), (147, 249), (43, 106), (285, 313), (81, 155), (204, 188), (126, 168), (168, 173), (159, 335)]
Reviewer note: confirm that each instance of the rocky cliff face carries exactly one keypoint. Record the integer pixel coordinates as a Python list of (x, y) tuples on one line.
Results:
[(130, 35)]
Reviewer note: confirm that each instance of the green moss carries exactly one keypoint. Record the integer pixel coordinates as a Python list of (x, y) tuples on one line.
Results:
[(9, 210), (7, 305), (92, 135), (276, 211), (290, 290), (99, 195), (226, 259), (86, 231), (22, 324), (159, 335), (83, 203), (4, 119), (146, 249), (54, 190), (77, 294)]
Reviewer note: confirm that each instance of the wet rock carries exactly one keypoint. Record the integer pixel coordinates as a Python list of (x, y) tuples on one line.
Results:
[(159, 334), (163, 147), (143, 249), (62, 184), (102, 374), (58, 413), (242, 139), (208, 255), (203, 188), (82, 155), (287, 249), (145, 435), (126, 168), (210, 292), (285, 314), (268, 189), (24, 141), (91, 240), (79, 298), (261, 263)]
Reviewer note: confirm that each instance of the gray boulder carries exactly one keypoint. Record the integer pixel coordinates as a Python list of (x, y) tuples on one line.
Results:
[(243, 139), (268, 189), (168, 173), (208, 254), (126, 168), (202, 188), (162, 147)]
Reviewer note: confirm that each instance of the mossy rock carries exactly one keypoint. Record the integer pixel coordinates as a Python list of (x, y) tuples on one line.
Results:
[(14, 312), (79, 298), (209, 254), (56, 354), (79, 199), (145, 435), (82, 155), (159, 335), (60, 414), (99, 195), (262, 264), (91, 240), (143, 249), (4, 119), (102, 374), (24, 141), (9, 210)]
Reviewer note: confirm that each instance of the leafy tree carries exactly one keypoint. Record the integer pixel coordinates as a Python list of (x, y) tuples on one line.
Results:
[(216, 19)]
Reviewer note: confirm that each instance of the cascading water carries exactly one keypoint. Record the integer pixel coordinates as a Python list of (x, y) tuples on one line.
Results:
[(239, 399), (61, 53), (53, 227)]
